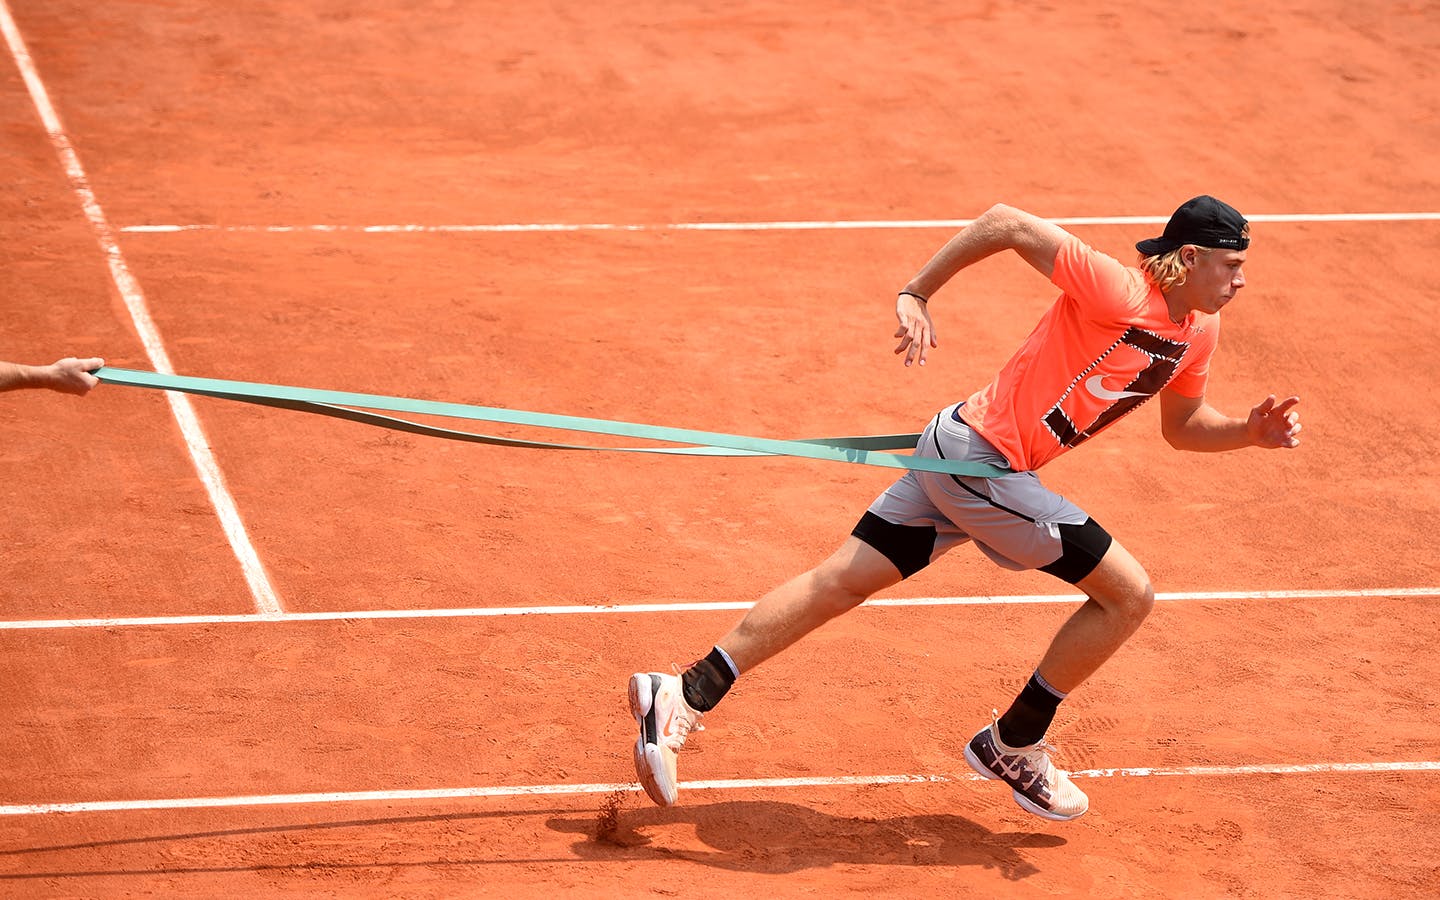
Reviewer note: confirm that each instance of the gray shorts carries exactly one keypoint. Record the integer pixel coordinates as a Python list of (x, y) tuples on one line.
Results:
[(1014, 519)]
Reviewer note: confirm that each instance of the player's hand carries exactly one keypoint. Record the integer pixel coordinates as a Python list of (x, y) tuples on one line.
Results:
[(1274, 424), (916, 331), (72, 376)]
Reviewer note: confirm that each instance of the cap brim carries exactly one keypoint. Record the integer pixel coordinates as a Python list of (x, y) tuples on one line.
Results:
[(1156, 246)]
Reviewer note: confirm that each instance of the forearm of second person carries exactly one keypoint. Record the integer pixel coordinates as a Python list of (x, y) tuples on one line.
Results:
[(14, 376)]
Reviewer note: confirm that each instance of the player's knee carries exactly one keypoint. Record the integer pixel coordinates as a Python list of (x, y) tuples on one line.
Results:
[(1120, 584), (839, 589), (1138, 602), (851, 576), (1128, 603)]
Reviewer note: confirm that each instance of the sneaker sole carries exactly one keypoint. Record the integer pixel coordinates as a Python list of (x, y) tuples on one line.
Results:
[(647, 756), (1021, 800)]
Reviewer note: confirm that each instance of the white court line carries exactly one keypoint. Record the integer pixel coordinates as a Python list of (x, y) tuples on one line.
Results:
[(44, 809), (196, 442), (638, 608), (840, 225), (266, 599)]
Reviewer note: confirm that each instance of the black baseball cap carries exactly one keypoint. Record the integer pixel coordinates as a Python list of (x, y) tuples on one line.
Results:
[(1204, 222)]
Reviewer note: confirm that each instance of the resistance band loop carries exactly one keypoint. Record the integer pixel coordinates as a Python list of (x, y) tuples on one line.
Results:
[(864, 450)]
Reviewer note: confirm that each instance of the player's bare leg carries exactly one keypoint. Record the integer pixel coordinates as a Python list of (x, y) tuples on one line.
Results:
[(842, 582), (668, 707), (1011, 748), (1120, 597)]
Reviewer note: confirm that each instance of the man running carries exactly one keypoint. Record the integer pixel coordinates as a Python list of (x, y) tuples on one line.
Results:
[(1115, 337)]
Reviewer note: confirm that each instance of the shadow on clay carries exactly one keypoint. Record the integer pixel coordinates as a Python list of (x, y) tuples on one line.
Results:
[(774, 837)]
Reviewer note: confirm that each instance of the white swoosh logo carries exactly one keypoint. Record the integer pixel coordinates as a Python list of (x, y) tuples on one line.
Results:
[(1095, 384)]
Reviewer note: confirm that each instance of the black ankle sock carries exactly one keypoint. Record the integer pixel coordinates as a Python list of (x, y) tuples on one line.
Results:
[(1027, 719), (706, 682)]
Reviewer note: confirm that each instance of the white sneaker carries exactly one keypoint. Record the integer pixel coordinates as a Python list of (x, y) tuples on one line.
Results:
[(1038, 786), (658, 703)]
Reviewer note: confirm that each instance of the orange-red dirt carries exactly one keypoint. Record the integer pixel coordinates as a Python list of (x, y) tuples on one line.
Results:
[(280, 113)]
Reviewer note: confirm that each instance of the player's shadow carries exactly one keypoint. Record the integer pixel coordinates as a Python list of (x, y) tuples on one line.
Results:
[(776, 838)]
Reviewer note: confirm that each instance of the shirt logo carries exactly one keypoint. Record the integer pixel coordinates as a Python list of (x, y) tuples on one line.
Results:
[(1095, 384)]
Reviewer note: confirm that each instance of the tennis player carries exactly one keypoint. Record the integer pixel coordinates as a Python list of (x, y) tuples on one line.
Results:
[(1114, 338), (68, 375)]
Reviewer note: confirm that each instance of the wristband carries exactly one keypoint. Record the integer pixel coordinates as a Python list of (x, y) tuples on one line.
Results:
[(915, 295)]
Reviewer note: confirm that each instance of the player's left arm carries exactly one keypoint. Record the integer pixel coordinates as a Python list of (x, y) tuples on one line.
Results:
[(1189, 423)]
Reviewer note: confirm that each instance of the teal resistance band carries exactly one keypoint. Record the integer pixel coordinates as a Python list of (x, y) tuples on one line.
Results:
[(341, 404)]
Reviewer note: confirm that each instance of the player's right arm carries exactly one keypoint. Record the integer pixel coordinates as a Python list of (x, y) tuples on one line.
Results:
[(999, 228)]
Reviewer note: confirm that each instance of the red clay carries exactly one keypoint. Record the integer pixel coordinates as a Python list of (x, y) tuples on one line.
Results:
[(296, 114)]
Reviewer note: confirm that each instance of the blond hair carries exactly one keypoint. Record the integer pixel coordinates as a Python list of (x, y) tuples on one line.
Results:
[(1167, 270)]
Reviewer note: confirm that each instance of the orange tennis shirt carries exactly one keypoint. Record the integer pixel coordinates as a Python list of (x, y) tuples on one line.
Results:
[(1106, 346)]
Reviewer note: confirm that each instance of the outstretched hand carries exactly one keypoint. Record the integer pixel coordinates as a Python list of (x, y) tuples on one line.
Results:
[(916, 331), (72, 376), (1274, 424)]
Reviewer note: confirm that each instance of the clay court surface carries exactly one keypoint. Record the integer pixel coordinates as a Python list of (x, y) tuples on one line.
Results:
[(398, 670)]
